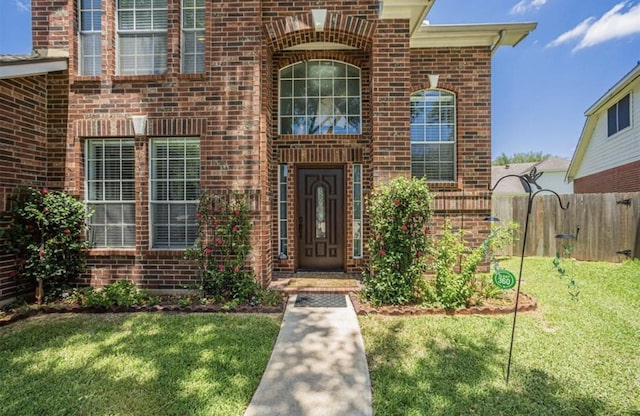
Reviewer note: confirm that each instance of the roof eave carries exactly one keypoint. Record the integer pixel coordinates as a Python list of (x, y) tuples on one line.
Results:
[(490, 35), (414, 10), (619, 87)]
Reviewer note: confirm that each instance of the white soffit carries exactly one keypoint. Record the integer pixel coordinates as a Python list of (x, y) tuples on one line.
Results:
[(414, 10), (491, 35)]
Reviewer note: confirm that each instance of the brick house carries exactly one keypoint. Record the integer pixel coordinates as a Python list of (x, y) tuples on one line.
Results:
[(303, 105), (607, 156)]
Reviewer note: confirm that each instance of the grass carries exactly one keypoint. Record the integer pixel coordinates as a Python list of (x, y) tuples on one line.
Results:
[(134, 364), (570, 357)]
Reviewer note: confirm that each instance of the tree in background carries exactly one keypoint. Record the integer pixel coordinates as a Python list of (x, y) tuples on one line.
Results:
[(527, 157)]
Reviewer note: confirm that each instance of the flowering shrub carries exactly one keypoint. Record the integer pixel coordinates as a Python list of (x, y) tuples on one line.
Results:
[(222, 248), (398, 215), (46, 233)]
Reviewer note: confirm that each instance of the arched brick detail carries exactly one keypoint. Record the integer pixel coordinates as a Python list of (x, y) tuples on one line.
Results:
[(298, 29)]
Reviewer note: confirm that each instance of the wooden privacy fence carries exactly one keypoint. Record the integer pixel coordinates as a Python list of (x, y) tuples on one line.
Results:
[(609, 224)]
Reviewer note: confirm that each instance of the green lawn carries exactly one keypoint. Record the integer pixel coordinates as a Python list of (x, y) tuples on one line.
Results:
[(570, 357), (134, 364)]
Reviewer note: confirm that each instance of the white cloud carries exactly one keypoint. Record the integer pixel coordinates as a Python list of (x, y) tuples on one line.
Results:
[(524, 6), (574, 33), (23, 5), (618, 22)]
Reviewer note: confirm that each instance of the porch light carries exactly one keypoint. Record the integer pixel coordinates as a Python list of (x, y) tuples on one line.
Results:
[(139, 125), (319, 17), (433, 81)]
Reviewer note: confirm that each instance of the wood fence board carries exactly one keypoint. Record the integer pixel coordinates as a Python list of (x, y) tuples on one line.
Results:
[(605, 226)]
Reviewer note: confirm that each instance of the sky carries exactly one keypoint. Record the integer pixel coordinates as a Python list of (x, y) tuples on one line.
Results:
[(541, 87)]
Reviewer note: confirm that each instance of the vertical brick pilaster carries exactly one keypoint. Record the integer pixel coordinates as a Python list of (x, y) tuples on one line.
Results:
[(390, 86)]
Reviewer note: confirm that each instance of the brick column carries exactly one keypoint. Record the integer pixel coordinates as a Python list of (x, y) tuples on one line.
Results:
[(390, 85)]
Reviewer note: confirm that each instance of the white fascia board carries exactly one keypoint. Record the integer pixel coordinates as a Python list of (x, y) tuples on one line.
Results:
[(414, 10), (490, 35), (626, 83), (28, 69)]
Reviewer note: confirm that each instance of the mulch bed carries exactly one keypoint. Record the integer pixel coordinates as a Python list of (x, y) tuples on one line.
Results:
[(20, 314), (526, 303)]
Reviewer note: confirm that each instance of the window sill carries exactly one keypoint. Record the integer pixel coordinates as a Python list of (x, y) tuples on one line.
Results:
[(105, 252), (87, 79), (443, 186), (150, 77)]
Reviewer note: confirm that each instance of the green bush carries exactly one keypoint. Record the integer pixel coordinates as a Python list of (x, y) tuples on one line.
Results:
[(46, 233), (222, 249), (455, 265), (398, 215)]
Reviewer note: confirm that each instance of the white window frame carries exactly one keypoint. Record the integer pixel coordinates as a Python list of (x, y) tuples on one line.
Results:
[(88, 35), (357, 210), (441, 141), (188, 206), (199, 36), (300, 123), (93, 204), (153, 34), (283, 192), (616, 106)]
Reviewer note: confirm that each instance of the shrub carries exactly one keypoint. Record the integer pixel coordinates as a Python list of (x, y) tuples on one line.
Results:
[(222, 248), (118, 293), (46, 233), (398, 215), (455, 265)]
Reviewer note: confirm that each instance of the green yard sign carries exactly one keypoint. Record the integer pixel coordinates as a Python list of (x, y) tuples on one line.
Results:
[(504, 279)]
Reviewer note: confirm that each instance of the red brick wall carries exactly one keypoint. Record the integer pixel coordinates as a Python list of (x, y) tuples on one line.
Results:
[(23, 152), (625, 178), (232, 107)]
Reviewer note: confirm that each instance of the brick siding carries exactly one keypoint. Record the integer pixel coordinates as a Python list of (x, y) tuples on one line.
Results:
[(625, 178), (232, 108)]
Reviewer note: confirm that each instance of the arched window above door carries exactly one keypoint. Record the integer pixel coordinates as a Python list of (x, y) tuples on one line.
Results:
[(320, 97)]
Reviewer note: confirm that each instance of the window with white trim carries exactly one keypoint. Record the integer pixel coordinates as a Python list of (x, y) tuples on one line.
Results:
[(174, 191), (357, 210), (142, 37), (433, 135), (192, 36), (90, 37), (109, 192), (320, 97), (283, 173), (619, 115)]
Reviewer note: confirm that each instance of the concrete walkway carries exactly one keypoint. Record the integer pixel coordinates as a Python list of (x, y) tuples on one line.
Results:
[(318, 366)]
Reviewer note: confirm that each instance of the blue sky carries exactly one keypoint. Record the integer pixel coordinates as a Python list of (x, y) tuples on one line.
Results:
[(541, 88)]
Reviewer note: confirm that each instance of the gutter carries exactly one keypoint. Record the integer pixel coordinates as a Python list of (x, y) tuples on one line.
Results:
[(498, 41)]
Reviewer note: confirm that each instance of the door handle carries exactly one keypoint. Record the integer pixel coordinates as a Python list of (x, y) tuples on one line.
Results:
[(300, 227)]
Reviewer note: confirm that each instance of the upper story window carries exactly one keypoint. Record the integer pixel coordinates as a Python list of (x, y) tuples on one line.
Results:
[(320, 97), (192, 36), (90, 56), (433, 135), (142, 37), (619, 115)]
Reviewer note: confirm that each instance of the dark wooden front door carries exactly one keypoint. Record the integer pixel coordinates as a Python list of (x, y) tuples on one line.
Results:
[(320, 226)]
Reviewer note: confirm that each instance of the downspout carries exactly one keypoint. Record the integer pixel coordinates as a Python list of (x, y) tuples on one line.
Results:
[(497, 43)]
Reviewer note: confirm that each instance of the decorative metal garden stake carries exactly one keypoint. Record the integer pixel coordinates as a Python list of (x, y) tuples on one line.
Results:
[(526, 180)]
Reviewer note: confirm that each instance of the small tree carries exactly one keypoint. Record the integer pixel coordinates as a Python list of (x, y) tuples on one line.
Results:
[(398, 215), (46, 233)]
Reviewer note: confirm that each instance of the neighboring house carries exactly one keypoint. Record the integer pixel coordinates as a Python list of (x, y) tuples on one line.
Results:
[(607, 157), (304, 105), (553, 169)]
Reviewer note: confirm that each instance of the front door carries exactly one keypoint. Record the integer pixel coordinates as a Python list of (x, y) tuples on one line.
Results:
[(320, 227)]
